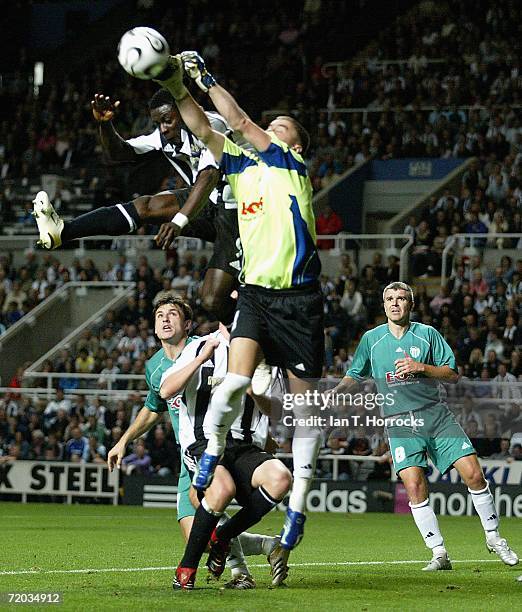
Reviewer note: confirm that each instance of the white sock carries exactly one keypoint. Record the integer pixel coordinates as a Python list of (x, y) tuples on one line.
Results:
[(256, 544), (298, 494), (236, 559), (251, 543), (305, 447), (428, 525), (485, 507), (224, 408)]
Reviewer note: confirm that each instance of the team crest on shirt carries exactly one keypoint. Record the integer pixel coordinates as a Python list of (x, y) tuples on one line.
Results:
[(249, 211), (415, 352)]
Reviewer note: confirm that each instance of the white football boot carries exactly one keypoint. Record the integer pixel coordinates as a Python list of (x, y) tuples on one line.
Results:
[(49, 223), (501, 548), (438, 562)]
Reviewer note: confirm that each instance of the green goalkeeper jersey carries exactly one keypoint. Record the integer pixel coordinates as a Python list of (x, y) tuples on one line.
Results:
[(375, 358)]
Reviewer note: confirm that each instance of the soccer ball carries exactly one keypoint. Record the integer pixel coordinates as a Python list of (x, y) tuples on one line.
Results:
[(143, 53)]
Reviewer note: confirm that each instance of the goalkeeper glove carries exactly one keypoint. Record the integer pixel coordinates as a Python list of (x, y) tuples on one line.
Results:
[(195, 67), (171, 77)]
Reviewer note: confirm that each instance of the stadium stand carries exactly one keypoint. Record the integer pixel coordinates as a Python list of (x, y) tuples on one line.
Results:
[(430, 85)]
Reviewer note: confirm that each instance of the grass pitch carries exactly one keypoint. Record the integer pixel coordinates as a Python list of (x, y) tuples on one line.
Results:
[(115, 558)]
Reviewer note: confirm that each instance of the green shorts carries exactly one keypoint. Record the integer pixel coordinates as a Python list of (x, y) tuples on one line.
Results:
[(428, 433), (185, 508)]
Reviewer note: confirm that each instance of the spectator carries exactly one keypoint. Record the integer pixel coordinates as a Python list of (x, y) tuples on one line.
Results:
[(352, 303), (503, 454), (163, 454), (139, 462), (328, 223), (84, 363), (77, 447)]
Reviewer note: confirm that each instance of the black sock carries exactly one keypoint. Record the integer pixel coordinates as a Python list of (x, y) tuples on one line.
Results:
[(202, 527), (107, 221), (259, 504)]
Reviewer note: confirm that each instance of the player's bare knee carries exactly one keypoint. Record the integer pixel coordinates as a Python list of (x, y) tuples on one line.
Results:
[(416, 489), (193, 497), (142, 206), (277, 480)]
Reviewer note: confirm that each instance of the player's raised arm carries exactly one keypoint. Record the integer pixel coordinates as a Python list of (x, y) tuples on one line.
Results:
[(191, 113), (114, 146), (176, 379), (225, 104), (205, 183)]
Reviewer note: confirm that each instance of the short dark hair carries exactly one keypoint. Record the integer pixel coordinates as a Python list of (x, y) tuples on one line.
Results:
[(160, 98), (302, 134), (170, 297)]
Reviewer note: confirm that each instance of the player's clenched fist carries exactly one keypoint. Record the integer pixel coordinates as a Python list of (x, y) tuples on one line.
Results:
[(166, 235), (195, 67), (208, 350), (102, 107), (407, 366)]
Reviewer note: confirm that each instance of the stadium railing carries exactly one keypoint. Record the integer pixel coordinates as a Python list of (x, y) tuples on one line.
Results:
[(378, 64), (52, 379), (120, 243), (42, 329), (49, 392), (398, 244), (476, 243), (365, 111), (336, 459)]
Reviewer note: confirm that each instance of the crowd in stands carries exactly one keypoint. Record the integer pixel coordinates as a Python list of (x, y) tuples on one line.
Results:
[(475, 46), (54, 132), (478, 313), (456, 92), (479, 310)]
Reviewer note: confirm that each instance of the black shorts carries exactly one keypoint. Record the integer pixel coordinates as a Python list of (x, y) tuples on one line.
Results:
[(218, 224), (287, 324), (241, 461)]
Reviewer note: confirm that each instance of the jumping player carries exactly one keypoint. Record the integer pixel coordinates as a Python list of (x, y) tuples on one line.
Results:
[(409, 360), (280, 307), (177, 210)]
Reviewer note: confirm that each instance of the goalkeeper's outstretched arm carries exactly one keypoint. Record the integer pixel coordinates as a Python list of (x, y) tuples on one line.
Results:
[(191, 113), (224, 102)]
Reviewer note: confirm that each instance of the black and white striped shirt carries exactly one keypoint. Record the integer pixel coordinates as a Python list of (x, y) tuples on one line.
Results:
[(251, 426), (190, 157)]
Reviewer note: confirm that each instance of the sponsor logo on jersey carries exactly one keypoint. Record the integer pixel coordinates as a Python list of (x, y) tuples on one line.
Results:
[(251, 210), (174, 403), (395, 379)]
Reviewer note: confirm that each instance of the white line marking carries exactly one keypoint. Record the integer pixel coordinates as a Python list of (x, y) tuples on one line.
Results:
[(170, 568)]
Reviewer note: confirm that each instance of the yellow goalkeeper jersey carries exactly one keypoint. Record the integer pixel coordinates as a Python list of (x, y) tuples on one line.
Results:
[(276, 220)]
